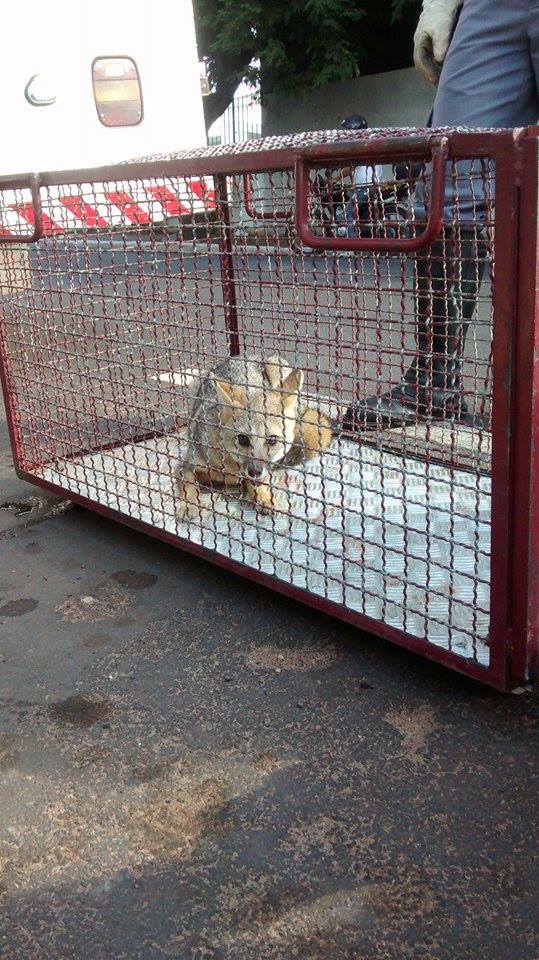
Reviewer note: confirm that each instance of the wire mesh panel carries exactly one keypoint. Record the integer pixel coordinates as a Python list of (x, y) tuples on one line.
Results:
[(293, 357)]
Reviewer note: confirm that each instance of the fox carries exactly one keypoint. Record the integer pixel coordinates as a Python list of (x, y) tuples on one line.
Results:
[(248, 417)]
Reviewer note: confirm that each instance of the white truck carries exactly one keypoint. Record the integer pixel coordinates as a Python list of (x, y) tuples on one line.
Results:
[(88, 84)]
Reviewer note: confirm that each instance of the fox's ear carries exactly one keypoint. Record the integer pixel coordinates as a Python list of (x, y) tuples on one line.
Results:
[(280, 375), (293, 383), (291, 389), (275, 370), (227, 392)]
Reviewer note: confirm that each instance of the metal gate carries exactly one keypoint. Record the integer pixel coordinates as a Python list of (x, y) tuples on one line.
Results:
[(117, 327)]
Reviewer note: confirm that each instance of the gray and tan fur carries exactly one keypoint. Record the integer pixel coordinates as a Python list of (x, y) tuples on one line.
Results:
[(248, 416)]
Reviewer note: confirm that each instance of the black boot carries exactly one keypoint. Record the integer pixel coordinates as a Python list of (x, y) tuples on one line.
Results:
[(449, 275)]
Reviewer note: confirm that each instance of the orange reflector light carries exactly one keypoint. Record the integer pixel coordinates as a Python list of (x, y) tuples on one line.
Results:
[(117, 92)]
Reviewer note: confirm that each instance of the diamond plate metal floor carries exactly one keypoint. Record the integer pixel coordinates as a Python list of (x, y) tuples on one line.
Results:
[(396, 538)]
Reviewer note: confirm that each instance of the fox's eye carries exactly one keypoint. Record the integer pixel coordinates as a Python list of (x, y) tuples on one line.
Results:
[(271, 441), (244, 440)]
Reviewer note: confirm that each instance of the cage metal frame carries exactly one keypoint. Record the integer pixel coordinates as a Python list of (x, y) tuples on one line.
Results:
[(514, 609)]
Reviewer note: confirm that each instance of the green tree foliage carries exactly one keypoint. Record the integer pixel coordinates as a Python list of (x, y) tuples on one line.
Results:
[(299, 44)]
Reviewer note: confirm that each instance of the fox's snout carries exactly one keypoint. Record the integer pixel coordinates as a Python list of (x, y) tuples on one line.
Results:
[(255, 471)]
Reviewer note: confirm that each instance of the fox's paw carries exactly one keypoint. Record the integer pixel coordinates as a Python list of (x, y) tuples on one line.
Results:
[(189, 502), (261, 495), (264, 499), (267, 499)]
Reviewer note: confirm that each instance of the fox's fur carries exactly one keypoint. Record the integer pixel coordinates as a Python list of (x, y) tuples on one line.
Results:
[(247, 417)]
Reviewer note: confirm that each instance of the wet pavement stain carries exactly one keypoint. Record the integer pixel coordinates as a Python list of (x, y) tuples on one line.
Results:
[(79, 711), (134, 579), (17, 608)]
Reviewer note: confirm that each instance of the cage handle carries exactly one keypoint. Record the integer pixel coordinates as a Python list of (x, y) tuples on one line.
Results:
[(260, 214), (439, 148), (37, 212)]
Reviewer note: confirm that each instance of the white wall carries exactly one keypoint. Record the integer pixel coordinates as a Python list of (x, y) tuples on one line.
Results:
[(395, 99)]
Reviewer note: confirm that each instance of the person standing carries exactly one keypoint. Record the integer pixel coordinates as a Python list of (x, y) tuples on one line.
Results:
[(486, 68), (365, 179)]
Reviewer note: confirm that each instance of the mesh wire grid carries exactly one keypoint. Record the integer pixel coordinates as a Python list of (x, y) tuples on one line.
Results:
[(140, 287)]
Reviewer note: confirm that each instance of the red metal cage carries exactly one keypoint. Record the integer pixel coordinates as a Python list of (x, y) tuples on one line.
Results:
[(307, 292)]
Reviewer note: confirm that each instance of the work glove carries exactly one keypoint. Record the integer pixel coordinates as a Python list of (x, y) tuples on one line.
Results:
[(432, 37)]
